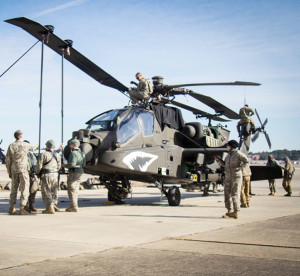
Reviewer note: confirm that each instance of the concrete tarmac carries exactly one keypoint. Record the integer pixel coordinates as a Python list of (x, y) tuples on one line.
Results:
[(146, 236)]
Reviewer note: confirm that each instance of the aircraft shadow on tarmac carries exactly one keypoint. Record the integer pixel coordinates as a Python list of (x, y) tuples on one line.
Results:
[(150, 199)]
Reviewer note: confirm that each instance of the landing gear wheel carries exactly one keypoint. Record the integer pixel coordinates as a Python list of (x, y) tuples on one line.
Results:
[(174, 196), (111, 197)]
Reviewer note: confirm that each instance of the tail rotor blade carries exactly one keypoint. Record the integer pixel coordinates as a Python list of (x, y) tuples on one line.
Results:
[(268, 140), (254, 138), (258, 117), (265, 122)]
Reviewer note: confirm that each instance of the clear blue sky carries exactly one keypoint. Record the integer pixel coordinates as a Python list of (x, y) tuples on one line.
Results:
[(184, 41)]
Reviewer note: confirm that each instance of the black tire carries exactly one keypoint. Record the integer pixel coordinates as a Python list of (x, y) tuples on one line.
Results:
[(110, 197), (174, 196)]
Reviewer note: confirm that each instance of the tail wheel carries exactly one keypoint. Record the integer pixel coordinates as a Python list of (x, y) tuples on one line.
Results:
[(174, 196)]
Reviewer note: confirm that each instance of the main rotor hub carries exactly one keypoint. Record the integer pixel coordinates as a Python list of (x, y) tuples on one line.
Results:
[(157, 80)]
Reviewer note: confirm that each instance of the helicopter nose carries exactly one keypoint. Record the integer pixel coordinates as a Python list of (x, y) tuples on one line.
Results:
[(87, 149)]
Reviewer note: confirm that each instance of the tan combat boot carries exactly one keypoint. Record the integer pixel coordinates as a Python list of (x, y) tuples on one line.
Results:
[(227, 215), (23, 211), (12, 209), (72, 208), (32, 209), (49, 209), (56, 209), (234, 215)]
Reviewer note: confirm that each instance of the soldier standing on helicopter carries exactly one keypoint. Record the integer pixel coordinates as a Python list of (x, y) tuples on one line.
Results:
[(143, 91), (245, 112)]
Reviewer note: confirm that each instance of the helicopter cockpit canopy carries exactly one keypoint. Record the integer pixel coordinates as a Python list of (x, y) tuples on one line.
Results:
[(137, 119), (105, 121)]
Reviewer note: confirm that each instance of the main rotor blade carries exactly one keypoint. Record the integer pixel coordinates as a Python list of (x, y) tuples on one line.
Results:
[(218, 107), (214, 83), (268, 140), (57, 44), (254, 138), (196, 111), (258, 118)]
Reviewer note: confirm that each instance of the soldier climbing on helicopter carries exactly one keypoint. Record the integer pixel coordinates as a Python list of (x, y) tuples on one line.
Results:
[(143, 91), (246, 112)]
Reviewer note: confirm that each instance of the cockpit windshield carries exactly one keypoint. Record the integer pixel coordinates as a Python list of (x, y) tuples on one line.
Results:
[(105, 121)]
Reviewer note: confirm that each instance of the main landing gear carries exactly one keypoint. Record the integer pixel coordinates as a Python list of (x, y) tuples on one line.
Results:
[(172, 193)]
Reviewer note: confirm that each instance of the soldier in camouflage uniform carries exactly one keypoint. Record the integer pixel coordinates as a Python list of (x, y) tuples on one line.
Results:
[(234, 163), (143, 91), (75, 163), (245, 113), (17, 168), (48, 165), (287, 176), (33, 181), (245, 196), (272, 185)]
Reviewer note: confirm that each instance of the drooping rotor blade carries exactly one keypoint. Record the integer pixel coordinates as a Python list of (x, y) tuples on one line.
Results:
[(254, 138), (214, 83), (57, 44), (258, 118), (196, 111), (268, 140), (218, 107)]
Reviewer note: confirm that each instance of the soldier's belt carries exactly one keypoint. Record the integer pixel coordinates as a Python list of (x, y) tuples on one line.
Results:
[(45, 171)]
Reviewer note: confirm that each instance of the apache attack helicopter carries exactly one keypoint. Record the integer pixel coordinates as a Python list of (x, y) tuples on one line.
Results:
[(148, 141)]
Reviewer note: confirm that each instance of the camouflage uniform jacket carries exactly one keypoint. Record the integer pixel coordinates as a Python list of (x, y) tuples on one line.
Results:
[(245, 112), (145, 87), (54, 165), (272, 163), (235, 161), (16, 157), (76, 161), (288, 169), (246, 170)]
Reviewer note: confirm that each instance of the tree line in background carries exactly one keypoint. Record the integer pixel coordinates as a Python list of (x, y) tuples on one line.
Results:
[(279, 154)]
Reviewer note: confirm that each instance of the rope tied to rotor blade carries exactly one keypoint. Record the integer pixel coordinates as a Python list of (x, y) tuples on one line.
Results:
[(19, 58)]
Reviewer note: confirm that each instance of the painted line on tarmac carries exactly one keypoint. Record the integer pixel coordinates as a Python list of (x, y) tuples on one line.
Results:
[(241, 243)]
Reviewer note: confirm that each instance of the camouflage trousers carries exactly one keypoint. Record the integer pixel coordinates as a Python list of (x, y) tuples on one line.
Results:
[(232, 190), (49, 183), (33, 188), (272, 186), (246, 120), (245, 196), (73, 184), (287, 184), (19, 181), (138, 95)]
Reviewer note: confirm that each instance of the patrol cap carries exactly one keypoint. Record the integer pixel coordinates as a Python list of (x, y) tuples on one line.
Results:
[(17, 134), (74, 142), (50, 144), (232, 143)]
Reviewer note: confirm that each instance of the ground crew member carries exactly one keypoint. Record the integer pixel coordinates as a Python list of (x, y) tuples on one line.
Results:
[(33, 181), (272, 185), (143, 91), (48, 165), (245, 113), (17, 168), (75, 163), (287, 176), (245, 196), (234, 163)]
